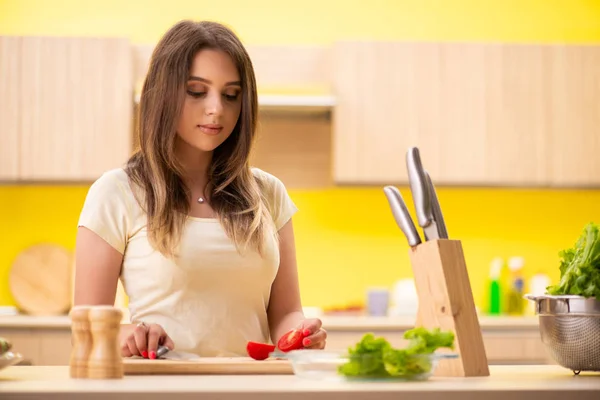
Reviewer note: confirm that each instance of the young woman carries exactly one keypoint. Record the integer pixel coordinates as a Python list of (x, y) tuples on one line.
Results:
[(202, 242)]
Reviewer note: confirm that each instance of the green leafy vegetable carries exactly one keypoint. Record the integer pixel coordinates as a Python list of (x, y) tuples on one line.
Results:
[(374, 357), (5, 345), (580, 266)]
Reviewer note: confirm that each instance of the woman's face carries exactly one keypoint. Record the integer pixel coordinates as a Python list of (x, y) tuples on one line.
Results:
[(213, 101)]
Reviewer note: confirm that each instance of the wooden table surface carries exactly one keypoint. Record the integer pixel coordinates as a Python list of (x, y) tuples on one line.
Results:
[(505, 382)]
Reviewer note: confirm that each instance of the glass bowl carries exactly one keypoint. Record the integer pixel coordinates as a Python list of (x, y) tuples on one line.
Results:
[(334, 365), (9, 358)]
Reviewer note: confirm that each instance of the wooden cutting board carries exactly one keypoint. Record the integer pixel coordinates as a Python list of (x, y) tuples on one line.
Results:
[(207, 366), (40, 280)]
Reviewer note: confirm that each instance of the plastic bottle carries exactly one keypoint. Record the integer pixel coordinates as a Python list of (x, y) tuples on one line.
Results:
[(515, 302), (537, 286), (495, 287)]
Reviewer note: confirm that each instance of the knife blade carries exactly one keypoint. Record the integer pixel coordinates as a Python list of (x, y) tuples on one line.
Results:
[(436, 209), (401, 215), (421, 194)]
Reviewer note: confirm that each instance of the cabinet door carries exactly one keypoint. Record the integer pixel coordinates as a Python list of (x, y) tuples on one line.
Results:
[(515, 114), (574, 130), (9, 107), (481, 114), (393, 96), (461, 103), (386, 103), (77, 107)]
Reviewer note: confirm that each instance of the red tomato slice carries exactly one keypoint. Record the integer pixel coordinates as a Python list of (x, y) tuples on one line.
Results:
[(291, 341), (259, 351)]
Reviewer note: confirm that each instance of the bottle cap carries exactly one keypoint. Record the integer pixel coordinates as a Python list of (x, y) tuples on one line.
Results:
[(496, 267), (516, 263)]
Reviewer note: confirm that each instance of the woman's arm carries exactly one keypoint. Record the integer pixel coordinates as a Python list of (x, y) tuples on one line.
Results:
[(97, 269), (285, 307)]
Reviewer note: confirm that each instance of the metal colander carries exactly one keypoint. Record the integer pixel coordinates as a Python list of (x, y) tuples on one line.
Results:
[(570, 330)]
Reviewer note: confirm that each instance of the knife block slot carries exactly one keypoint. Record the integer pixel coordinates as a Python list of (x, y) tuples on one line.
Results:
[(446, 301)]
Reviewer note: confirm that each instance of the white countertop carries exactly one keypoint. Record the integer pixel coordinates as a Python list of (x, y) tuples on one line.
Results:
[(514, 382), (331, 323)]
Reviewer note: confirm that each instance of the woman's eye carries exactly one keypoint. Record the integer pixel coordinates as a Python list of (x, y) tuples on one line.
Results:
[(231, 97), (195, 94)]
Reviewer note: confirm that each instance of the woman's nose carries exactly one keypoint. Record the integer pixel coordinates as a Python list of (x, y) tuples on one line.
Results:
[(214, 104)]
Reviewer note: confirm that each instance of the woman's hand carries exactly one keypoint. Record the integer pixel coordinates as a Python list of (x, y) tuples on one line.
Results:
[(315, 337), (144, 341)]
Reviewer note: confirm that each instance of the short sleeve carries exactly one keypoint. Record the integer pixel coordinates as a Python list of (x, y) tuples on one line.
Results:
[(280, 203), (106, 211)]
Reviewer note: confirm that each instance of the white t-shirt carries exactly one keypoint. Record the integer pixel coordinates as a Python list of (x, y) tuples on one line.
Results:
[(210, 300)]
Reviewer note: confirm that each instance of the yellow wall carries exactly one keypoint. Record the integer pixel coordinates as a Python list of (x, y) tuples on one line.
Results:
[(346, 237), (314, 21)]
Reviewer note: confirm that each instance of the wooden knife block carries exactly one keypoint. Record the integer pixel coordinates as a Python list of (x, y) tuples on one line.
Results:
[(446, 301)]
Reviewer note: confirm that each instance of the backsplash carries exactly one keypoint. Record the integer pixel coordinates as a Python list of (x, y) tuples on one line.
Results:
[(347, 240)]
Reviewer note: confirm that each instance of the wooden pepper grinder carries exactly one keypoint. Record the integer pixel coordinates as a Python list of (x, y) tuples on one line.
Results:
[(81, 341), (105, 360)]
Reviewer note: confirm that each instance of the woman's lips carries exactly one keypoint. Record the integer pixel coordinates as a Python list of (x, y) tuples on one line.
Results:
[(211, 129)]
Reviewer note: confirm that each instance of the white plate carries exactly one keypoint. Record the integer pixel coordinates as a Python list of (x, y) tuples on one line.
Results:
[(9, 358)]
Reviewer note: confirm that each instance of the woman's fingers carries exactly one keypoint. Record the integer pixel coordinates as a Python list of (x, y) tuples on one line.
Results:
[(133, 349), (141, 340), (144, 341), (310, 326), (168, 342), (155, 334), (125, 352), (316, 340)]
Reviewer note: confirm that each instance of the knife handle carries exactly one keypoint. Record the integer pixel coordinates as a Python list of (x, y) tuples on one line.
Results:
[(436, 210), (419, 187), (162, 350), (401, 215)]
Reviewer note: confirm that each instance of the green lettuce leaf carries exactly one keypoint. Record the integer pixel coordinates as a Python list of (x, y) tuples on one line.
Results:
[(580, 266), (5, 345), (374, 357)]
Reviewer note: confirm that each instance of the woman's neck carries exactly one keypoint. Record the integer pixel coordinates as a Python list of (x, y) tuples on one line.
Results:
[(195, 165)]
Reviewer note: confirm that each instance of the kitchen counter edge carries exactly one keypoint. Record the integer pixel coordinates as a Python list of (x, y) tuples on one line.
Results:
[(331, 323), (518, 382)]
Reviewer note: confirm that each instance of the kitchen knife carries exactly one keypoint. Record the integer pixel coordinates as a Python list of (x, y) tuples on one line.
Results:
[(436, 209), (162, 350), (401, 215), (420, 193)]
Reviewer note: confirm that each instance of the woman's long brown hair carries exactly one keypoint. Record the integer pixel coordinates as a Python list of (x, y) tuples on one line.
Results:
[(235, 193)]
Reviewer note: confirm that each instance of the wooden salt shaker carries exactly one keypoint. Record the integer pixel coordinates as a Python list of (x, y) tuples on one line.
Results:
[(81, 341), (105, 360)]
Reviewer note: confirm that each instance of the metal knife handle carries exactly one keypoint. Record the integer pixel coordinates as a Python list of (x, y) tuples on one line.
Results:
[(419, 187), (401, 215), (436, 210), (162, 350)]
